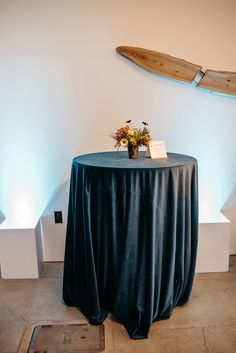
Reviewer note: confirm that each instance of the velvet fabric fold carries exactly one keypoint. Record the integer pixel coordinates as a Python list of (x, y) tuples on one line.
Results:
[(131, 238)]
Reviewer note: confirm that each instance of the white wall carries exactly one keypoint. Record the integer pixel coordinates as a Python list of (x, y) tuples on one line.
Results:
[(63, 89)]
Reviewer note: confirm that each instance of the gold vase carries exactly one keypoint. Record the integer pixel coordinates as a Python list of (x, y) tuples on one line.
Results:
[(133, 151)]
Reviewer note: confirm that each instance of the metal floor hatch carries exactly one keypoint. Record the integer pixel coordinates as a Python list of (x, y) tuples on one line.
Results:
[(67, 338)]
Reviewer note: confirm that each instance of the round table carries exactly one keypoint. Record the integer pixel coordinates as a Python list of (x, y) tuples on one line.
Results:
[(131, 239)]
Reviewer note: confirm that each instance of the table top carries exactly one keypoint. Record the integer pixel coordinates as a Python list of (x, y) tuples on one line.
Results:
[(120, 160)]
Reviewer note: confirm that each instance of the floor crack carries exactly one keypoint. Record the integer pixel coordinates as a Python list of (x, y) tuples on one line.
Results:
[(14, 314), (204, 339)]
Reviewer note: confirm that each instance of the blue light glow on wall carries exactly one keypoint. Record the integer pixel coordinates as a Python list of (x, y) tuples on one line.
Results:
[(29, 163), (22, 192), (33, 111)]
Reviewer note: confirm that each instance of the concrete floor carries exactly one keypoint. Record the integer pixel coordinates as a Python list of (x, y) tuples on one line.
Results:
[(206, 324)]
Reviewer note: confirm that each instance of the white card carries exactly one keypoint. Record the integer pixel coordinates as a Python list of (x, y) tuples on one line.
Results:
[(156, 149)]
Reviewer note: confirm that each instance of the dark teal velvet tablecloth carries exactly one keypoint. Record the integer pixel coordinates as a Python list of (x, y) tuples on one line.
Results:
[(131, 239)]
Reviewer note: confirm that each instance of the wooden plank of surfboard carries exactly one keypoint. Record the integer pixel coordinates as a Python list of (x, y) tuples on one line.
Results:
[(219, 81), (161, 64)]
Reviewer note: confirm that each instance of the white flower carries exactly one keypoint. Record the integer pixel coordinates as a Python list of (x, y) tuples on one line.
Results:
[(124, 142)]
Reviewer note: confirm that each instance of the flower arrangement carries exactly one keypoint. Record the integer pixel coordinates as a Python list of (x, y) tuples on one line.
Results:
[(132, 138)]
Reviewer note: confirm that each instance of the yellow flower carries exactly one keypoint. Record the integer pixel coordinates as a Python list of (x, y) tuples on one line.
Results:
[(124, 142), (130, 132)]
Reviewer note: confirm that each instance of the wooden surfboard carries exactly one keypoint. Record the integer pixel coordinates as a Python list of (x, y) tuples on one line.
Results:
[(219, 81), (161, 64), (222, 82)]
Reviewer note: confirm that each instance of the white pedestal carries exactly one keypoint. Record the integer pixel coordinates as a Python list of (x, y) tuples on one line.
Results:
[(20, 252), (213, 246), (231, 215)]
